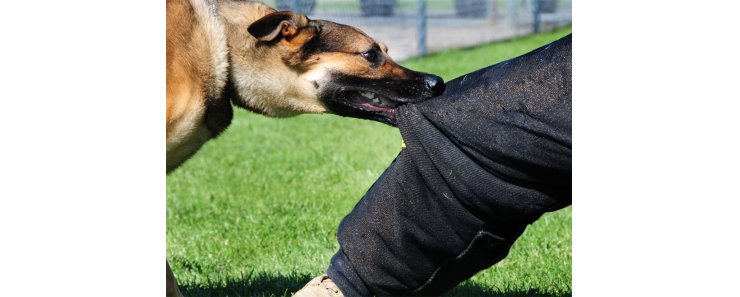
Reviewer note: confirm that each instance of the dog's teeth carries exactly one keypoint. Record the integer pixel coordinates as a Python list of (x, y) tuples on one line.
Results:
[(376, 101), (368, 95)]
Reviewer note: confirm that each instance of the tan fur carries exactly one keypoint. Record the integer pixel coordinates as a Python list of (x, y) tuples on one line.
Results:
[(351, 65), (197, 65)]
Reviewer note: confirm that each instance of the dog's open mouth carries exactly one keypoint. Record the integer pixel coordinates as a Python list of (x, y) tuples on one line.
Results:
[(365, 105), (370, 101)]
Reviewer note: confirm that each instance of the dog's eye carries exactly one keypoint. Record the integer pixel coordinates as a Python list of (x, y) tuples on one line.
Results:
[(371, 55)]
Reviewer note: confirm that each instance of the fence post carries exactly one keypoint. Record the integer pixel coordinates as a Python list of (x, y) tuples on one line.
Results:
[(536, 10), (512, 9), (421, 29), (494, 10)]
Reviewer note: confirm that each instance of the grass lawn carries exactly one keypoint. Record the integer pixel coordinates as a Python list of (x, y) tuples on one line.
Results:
[(255, 212)]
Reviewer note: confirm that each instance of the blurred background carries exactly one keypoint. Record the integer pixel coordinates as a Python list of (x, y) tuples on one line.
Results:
[(417, 27)]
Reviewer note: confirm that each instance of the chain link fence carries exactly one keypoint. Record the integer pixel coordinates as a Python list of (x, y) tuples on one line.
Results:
[(417, 27)]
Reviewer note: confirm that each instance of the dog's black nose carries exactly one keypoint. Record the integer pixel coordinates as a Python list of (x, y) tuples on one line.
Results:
[(435, 84)]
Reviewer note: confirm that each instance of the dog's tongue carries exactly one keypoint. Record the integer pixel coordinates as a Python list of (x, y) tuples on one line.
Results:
[(369, 106)]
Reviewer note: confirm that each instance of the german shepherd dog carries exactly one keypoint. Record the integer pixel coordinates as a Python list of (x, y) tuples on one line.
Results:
[(276, 63)]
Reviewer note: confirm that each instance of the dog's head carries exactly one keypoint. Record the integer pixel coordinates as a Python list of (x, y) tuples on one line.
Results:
[(335, 68)]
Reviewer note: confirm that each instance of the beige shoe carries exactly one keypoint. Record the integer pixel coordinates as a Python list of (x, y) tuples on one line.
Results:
[(319, 287)]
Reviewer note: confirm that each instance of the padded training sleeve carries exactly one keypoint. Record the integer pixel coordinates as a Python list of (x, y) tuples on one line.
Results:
[(481, 162)]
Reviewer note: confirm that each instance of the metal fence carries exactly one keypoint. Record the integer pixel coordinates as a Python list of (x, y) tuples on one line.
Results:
[(417, 27)]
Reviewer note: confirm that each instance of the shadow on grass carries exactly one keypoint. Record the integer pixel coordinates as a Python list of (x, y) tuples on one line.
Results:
[(285, 285), (247, 285), (473, 289)]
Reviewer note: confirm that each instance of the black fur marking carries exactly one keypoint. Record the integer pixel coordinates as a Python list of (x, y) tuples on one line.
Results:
[(219, 112)]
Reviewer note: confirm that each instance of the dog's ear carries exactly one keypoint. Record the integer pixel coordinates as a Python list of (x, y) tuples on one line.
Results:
[(280, 23)]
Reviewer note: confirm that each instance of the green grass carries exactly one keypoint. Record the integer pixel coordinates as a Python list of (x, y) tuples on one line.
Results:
[(255, 212)]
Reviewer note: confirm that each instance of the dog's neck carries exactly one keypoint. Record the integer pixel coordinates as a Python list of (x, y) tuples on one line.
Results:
[(261, 80)]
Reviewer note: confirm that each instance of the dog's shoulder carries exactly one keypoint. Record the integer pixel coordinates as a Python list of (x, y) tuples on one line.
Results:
[(197, 71)]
